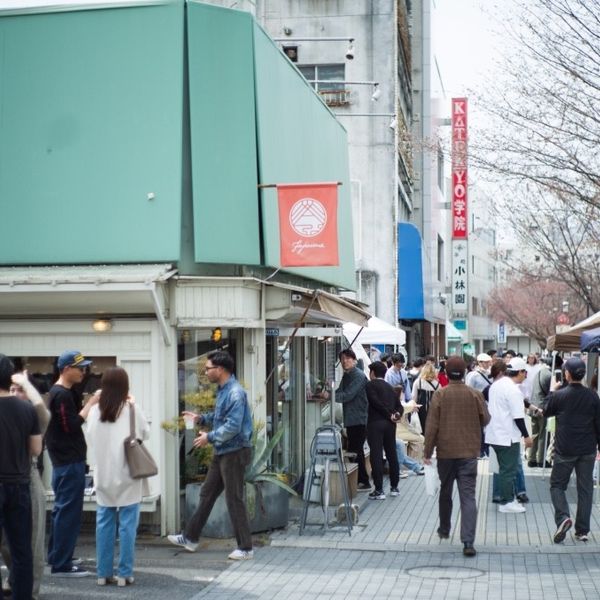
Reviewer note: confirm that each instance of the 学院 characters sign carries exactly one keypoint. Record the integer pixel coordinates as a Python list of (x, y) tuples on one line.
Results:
[(308, 224), (460, 226)]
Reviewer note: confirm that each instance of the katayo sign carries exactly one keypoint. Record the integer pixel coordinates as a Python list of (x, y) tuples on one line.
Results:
[(459, 169), (308, 224)]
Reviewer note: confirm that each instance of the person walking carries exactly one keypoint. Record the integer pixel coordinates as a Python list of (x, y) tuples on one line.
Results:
[(24, 390), (505, 429), (397, 377), (383, 413), (67, 449), (231, 437), (352, 395), (576, 442), (118, 496), (20, 440), (423, 389), (456, 415)]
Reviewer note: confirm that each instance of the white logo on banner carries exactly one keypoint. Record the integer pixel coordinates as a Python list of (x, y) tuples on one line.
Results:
[(308, 217)]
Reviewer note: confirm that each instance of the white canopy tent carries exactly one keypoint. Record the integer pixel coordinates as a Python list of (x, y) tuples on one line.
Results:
[(376, 332)]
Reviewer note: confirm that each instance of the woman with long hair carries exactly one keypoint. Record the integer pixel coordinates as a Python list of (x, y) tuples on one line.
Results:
[(423, 389), (116, 491)]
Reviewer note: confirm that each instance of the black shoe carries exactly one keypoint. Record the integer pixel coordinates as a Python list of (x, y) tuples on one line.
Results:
[(377, 495), (364, 487), (469, 550), (532, 464), (522, 498), (74, 571), (443, 535), (547, 465), (561, 532)]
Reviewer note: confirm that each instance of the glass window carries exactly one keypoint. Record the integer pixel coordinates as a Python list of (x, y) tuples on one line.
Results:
[(326, 73)]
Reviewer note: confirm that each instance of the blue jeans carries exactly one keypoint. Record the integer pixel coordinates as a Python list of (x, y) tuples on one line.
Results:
[(68, 483), (15, 517), (106, 528), (519, 482), (404, 460)]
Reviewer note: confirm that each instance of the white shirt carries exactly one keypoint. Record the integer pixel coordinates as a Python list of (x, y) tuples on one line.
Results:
[(114, 485), (505, 405)]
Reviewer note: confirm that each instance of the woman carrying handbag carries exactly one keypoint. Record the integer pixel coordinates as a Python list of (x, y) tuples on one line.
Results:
[(108, 425)]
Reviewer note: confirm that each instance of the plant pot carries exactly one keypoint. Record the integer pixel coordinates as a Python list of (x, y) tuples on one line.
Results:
[(268, 508)]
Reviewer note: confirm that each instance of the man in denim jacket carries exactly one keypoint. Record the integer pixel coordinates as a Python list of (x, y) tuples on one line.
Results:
[(231, 437)]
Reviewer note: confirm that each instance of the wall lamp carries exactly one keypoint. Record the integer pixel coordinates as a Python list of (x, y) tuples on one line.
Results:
[(102, 325), (374, 96), (350, 40)]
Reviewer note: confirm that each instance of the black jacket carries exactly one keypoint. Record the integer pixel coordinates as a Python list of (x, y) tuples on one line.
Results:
[(383, 400), (577, 412)]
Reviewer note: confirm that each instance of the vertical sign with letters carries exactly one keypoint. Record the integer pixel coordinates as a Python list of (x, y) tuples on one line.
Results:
[(459, 169)]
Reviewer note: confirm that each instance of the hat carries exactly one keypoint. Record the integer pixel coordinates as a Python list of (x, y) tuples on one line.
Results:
[(72, 358), (483, 357), (517, 364), (456, 367), (576, 367)]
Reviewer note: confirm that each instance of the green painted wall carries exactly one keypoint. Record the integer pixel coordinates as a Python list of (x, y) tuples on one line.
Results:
[(90, 123), (223, 135), (299, 140)]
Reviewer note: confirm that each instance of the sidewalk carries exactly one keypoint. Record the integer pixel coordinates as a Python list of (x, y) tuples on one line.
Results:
[(394, 552)]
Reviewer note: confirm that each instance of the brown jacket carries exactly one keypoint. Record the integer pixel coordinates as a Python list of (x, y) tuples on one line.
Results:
[(457, 414)]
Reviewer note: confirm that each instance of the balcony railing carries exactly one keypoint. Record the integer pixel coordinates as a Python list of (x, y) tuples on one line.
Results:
[(335, 97)]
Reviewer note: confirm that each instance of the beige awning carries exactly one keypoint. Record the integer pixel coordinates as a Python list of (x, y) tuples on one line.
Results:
[(287, 303), (569, 340)]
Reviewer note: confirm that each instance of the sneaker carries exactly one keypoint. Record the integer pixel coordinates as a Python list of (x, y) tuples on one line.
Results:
[(180, 540), (106, 580), (561, 532), (364, 487), (582, 537), (403, 475), (512, 507), (522, 498), (469, 550), (124, 581), (77, 561), (394, 492), (377, 495), (420, 472), (74, 571), (532, 464), (241, 554)]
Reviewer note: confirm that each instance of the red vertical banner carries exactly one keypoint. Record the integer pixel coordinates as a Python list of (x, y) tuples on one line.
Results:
[(459, 121), (308, 224)]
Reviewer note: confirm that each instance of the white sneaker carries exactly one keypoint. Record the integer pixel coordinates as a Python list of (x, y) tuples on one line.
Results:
[(180, 540), (512, 507), (238, 554), (403, 474)]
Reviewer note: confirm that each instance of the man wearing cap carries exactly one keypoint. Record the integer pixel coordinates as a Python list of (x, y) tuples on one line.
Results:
[(20, 439), (456, 415), (577, 412), (479, 377), (506, 427), (67, 448)]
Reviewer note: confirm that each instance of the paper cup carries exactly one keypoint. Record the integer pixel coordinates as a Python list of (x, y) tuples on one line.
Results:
[(189, 422)]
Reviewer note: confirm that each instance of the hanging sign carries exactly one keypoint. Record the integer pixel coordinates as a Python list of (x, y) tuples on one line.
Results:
[(460, 278), (459, 169), (308, 224)]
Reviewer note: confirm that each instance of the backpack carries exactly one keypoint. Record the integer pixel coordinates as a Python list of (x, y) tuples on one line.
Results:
[(424, 396)]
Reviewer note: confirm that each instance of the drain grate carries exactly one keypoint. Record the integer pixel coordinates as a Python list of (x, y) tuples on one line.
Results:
[(445, 572)]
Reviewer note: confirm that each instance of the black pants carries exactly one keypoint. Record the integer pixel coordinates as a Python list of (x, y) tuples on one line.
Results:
[(356, 441), (226, 472), (381, 436), (15, 517)]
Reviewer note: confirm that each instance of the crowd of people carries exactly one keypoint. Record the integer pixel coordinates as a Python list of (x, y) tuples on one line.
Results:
[(465, 413)]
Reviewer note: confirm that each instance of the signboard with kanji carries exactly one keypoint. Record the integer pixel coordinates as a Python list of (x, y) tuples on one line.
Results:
[(460, 277), (459, 169)]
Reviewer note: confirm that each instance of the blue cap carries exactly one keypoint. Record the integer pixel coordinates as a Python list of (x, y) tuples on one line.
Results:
[(576, 367), (72, 358)]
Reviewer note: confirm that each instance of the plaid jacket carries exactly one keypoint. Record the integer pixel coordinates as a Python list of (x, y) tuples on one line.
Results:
[(457, 414)]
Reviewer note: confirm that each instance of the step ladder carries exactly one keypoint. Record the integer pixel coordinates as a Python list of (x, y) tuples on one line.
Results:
[(326, 448)]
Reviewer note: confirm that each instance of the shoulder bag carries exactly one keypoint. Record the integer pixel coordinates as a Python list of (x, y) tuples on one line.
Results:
[(137, 456)]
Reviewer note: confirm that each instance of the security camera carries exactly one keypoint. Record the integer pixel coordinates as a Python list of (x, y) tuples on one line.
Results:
[(350, 51), (393, 123), (376, 94)]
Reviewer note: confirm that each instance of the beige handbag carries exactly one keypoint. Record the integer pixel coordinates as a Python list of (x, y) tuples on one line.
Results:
[(138, 457)]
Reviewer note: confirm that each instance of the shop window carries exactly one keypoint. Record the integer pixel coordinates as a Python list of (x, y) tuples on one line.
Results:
[(196, 393)]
